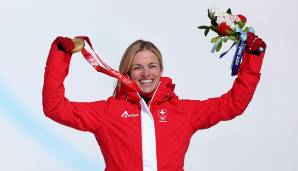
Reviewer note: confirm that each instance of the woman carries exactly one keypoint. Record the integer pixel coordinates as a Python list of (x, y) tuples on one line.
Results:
[(148, 130)]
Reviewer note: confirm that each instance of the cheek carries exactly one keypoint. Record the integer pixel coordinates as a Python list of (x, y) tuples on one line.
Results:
[(158, 73), (134, 75)]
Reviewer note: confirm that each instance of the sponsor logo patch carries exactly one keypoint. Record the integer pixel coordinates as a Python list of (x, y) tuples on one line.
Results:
[(125, 114)]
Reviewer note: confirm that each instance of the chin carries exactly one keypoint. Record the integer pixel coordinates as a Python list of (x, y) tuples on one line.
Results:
[(147, 89)]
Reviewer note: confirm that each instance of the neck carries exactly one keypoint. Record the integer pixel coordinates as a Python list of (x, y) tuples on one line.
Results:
[(147, 96)]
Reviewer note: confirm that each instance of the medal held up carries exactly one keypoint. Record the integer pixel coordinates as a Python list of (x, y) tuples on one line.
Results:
[(228, 27), (79, 44)]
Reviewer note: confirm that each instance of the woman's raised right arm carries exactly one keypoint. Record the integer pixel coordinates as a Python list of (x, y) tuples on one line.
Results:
[(85, 116)]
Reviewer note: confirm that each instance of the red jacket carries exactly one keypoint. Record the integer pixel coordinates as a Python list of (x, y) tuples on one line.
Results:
[(116, 122)]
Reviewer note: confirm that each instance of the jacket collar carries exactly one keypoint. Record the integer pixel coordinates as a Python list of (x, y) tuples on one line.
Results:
[(164, 92)]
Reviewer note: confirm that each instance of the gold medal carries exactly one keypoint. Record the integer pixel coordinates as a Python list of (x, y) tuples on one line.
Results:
[(79, 44)]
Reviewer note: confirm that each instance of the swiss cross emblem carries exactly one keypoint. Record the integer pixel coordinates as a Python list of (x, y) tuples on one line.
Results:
[(162, 114)]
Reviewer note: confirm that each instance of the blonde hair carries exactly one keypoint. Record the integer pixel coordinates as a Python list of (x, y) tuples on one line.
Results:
[(129, 54)]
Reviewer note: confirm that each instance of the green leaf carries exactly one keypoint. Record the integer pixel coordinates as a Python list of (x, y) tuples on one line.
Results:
[(225, 40), (203, 27), (246, 29), (218, 46), (213, 28), (232, 38), (209, 16), (207, 31), (214, 39), (229, 11), (241, 24), (214, 23)]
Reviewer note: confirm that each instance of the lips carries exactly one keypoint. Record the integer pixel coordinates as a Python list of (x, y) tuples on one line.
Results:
[(147, 85), (146, 82)]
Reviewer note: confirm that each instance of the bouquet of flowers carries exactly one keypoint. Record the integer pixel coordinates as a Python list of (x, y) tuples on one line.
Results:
[(228, 27)]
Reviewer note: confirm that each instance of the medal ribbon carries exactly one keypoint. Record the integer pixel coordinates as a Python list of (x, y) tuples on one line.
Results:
[(102, 67), (239, 50), (238, 57)]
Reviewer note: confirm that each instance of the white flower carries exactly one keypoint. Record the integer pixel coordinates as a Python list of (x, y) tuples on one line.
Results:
[(212, 11), (234, 18), (233, 26), (223, 17), (220, 14)]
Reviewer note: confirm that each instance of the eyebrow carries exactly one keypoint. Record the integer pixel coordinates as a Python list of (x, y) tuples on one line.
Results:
[(152, 63), (136, 65)]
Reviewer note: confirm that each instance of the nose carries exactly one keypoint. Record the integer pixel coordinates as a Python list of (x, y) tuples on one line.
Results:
[(146, 73)]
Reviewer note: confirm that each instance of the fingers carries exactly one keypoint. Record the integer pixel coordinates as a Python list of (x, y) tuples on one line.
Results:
[(64, 44), (257, 44), (254, 44)]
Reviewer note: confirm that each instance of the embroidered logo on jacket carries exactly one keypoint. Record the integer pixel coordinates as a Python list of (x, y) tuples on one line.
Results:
[(162, 114), (125, 114)]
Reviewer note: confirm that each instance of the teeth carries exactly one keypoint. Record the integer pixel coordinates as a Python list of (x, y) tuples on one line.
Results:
[(146, 81)]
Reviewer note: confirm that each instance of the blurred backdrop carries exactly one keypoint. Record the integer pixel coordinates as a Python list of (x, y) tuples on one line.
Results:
[(263, 138)]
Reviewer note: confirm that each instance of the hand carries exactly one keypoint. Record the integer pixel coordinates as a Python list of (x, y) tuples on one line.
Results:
[(254, 43), (64, 44)]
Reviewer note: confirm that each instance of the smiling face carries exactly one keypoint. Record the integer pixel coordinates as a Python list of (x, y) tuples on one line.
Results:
[(142, 61), (146, 71)]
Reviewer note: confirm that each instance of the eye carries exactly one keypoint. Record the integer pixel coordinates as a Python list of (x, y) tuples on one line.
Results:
[(152, 66), (136, 68)]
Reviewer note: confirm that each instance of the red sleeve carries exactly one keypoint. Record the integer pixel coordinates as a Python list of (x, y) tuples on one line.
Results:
[(85, 116), (206, 113)]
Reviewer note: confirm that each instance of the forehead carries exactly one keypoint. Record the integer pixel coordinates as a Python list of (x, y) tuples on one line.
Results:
[(145, 57)]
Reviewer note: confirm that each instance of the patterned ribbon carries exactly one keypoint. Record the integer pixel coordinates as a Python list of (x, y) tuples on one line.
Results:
[(239, 51), (238, 57), (102, 67), (240, 47)]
